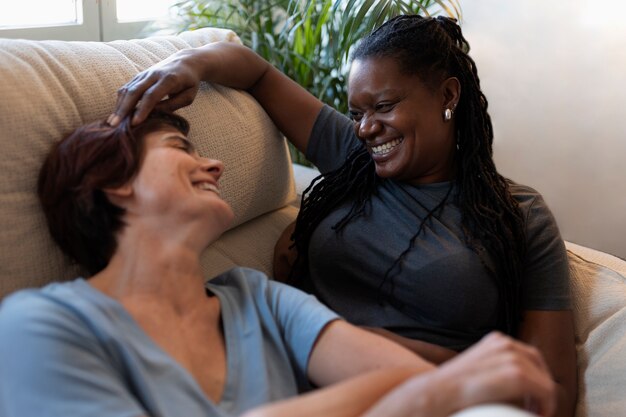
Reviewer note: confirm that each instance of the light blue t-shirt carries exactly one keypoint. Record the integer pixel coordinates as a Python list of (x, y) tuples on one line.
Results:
[(69, 350)]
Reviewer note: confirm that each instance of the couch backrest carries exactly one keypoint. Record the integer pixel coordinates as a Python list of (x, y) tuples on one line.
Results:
[(48, 88)]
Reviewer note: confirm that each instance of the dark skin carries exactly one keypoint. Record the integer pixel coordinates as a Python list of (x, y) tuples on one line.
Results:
[(294, 112)]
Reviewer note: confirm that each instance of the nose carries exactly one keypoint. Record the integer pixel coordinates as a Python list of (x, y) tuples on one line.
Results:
[(213, 166), (367, 127)]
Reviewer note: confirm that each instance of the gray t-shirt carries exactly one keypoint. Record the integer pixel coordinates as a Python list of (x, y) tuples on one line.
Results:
[(442, 294), (69, 350)]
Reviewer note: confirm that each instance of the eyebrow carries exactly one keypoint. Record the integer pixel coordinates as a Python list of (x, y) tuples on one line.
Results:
[(180, 138), (396, 93)]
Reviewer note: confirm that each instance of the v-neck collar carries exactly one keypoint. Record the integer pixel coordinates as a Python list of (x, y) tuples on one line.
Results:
[(226, 316)]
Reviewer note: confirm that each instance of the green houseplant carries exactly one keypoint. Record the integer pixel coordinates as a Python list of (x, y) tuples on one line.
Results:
[(310, 41)]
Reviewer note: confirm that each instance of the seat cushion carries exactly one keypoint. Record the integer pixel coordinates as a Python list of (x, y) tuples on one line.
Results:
[(250, 244)]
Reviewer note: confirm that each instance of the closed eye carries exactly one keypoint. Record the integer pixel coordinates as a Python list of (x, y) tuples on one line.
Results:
[(183, 148), (385, 107), (181, 143)]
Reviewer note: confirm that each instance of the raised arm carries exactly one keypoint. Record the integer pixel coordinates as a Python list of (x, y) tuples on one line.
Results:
[(174, 82)]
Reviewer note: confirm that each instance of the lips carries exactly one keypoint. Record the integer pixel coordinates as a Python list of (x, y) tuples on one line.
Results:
[(207, 186)]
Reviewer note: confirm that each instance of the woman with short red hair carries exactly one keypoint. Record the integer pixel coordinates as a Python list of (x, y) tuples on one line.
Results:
[(144, 335)]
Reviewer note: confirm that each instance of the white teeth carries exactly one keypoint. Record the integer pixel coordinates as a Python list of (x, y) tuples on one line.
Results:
[(385, 148), (207, 186)]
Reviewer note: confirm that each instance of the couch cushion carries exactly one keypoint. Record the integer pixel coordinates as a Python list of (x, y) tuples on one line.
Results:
[(251, 244), (48, 88), (599, 301)]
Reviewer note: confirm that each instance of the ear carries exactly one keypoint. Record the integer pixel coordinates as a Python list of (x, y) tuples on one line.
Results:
[(451, 91), (117, 195)]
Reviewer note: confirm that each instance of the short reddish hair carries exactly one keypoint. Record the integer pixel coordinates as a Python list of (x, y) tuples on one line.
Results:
[(81, 220)]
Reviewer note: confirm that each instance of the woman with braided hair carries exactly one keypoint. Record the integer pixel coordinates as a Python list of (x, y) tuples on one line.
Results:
[(411, 231)]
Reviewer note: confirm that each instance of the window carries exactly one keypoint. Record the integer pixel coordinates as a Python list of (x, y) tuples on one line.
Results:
[(126, 19), (137, 10), (50, 19), (68, 12), (91, 20)]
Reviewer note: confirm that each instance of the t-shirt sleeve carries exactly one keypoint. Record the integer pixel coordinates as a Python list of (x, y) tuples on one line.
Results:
[(546, 274), (301, 318), (52, 365), (332, 139)]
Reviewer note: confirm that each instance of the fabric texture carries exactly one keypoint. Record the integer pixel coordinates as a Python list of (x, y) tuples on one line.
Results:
[(49, 88), (442, 293), (80, 353), (250, 244), (599, 298)]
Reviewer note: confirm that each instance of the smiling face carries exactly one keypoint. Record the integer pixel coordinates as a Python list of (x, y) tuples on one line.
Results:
[(175, 184), (401, 121)]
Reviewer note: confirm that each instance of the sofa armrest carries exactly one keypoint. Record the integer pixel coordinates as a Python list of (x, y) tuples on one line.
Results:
[(599, 305)]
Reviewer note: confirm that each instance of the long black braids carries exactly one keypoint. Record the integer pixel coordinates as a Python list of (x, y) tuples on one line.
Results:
[(435, 49)]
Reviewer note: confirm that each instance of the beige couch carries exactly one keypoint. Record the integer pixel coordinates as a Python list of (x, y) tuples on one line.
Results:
[(49, 88)]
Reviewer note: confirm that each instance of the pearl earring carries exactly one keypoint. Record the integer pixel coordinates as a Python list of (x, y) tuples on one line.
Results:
[(447, 114)]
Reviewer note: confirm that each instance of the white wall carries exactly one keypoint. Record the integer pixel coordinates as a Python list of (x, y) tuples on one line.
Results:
[(554, 73)]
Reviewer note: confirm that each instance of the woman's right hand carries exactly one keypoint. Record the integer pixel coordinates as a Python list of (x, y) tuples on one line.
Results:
[(501, 369), (174, 83), (497, 369), (168, 85)]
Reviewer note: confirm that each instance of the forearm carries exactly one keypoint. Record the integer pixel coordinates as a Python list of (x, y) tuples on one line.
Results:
[(429, 351), (421, 396), (344, 351), (552, 334), (226, 63), (566, 405), (292, 108), (497, 369), (349, 398)]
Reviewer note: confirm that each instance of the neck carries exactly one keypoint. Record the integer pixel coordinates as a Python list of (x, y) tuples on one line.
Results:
[(149, 268), (444, 170)]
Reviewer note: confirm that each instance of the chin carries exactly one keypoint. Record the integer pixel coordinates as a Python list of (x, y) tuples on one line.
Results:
[(227, 218), (384, 172)]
